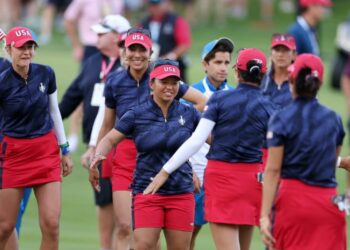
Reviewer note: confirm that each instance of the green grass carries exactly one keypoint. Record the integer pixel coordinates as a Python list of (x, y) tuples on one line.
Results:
[(78, 222)]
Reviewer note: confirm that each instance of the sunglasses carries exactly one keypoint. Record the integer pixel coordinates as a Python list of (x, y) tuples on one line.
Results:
[(282, 37), (139, 30), (161, 62)]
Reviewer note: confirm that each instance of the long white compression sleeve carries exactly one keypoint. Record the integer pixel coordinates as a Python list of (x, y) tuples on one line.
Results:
[(97, 125), (57, 118), (191, 146)]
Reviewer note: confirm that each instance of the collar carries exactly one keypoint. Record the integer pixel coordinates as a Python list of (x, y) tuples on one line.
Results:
[(212, 87), (143, 78), (302, 22), (242, 85), (18, 76), (156, 108)]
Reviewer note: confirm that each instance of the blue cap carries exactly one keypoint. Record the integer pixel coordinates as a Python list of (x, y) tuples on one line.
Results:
[(211, 45), (155, 1)]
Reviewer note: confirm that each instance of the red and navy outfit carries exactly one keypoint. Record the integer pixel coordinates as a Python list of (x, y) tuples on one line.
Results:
[(123, 92), (232, 191), (157, 139), (305, 217), (29, 149)]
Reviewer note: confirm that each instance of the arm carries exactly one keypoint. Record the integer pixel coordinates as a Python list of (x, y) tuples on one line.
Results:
[(272, 176), (187, 149), (111, 139), (72, 32), (108, 122), (345, 85), (196, 97), (66, 162)]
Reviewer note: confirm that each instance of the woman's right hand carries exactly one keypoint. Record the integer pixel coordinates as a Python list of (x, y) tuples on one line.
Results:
[(87, 157), (94, 174), (265, 230)]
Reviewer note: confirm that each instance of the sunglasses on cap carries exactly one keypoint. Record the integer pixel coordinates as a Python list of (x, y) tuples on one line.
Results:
[(139, 30), (282, 37), (161, 62)]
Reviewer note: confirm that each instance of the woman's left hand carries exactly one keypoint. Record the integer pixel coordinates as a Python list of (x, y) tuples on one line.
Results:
[(265, 229), (157, 182), (66, 165)]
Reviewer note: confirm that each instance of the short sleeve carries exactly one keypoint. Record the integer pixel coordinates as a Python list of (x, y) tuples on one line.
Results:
[(211, 110), (52, 81), (341, 133), (108, 93), (126, 124), (276, 133), (182, 90)]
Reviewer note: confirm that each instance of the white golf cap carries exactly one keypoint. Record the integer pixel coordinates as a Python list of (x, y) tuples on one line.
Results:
[(112, 23)]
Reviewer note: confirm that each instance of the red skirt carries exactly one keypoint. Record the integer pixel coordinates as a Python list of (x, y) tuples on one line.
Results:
[(28, 162), (124, 163), (107, 164), (305, 218), (232, 193)]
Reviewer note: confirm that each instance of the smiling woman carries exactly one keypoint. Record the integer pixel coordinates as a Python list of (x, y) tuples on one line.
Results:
[(32, 136)]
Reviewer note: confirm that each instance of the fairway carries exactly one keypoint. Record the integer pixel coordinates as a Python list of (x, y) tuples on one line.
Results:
[(78, 221)]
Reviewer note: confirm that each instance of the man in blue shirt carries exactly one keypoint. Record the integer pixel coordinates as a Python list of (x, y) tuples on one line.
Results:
[(304, 28), (216, 58)]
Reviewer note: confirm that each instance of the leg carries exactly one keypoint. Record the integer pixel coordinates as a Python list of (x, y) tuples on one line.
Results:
[(9, 199), (22, 208), (195, 233), (105, 215), (226, 236), (48, 196), (12, 243), (146, 238), (47, 20), (245, 236), (122, 210), (177, 240)]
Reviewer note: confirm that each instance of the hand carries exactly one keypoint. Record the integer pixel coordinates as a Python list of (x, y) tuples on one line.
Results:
[(196, 183), (265, 230), (66, 165), (157, 182), (345, 163), (96, 160), (94, 178), (86, 158)]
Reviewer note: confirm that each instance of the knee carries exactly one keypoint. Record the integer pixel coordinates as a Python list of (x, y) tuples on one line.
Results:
[(50, 227), (124, 230), (6, 229), (144, 244)]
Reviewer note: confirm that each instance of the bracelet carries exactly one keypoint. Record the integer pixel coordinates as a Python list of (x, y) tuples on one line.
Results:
[(64, 148), (338, 161)]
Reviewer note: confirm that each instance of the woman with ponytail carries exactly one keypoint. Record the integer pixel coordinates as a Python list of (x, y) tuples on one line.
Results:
[(304, 140), (238, 121)]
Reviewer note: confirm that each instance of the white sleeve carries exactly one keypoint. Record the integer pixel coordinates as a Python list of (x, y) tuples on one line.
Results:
[(57, 118), (97, 124), (191, 146)]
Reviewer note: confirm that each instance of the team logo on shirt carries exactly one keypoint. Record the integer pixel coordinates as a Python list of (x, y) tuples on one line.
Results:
[(205, 108), (182, 121), (42, 87)]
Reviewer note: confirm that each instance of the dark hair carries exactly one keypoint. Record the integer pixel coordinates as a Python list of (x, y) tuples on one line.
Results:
[(160, 62), (139, 30), (253, 73), (218, 48), (306, 85)]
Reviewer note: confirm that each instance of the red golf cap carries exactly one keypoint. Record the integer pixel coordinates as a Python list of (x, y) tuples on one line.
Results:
[(138, 38), (284, 40), (306, 3), (18, 36), (307, 61), (250, 54), (164, 71)]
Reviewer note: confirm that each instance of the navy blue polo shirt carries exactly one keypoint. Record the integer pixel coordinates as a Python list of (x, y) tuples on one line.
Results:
[(279, 95), (157, 139), (4, 64), (24, 104), (310, 134), (123, 92), (241, 117), (81, 90)]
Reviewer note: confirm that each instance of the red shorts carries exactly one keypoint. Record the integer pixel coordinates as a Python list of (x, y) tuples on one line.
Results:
[(108, 164), (124, 163), (306, 218), (28, 162), (232, 193), (174, 212), (265, 152)]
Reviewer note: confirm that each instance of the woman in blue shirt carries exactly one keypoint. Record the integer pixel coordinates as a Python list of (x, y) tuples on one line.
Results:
[(158, 127), (33, 135), (238, 121), (304, 140)]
